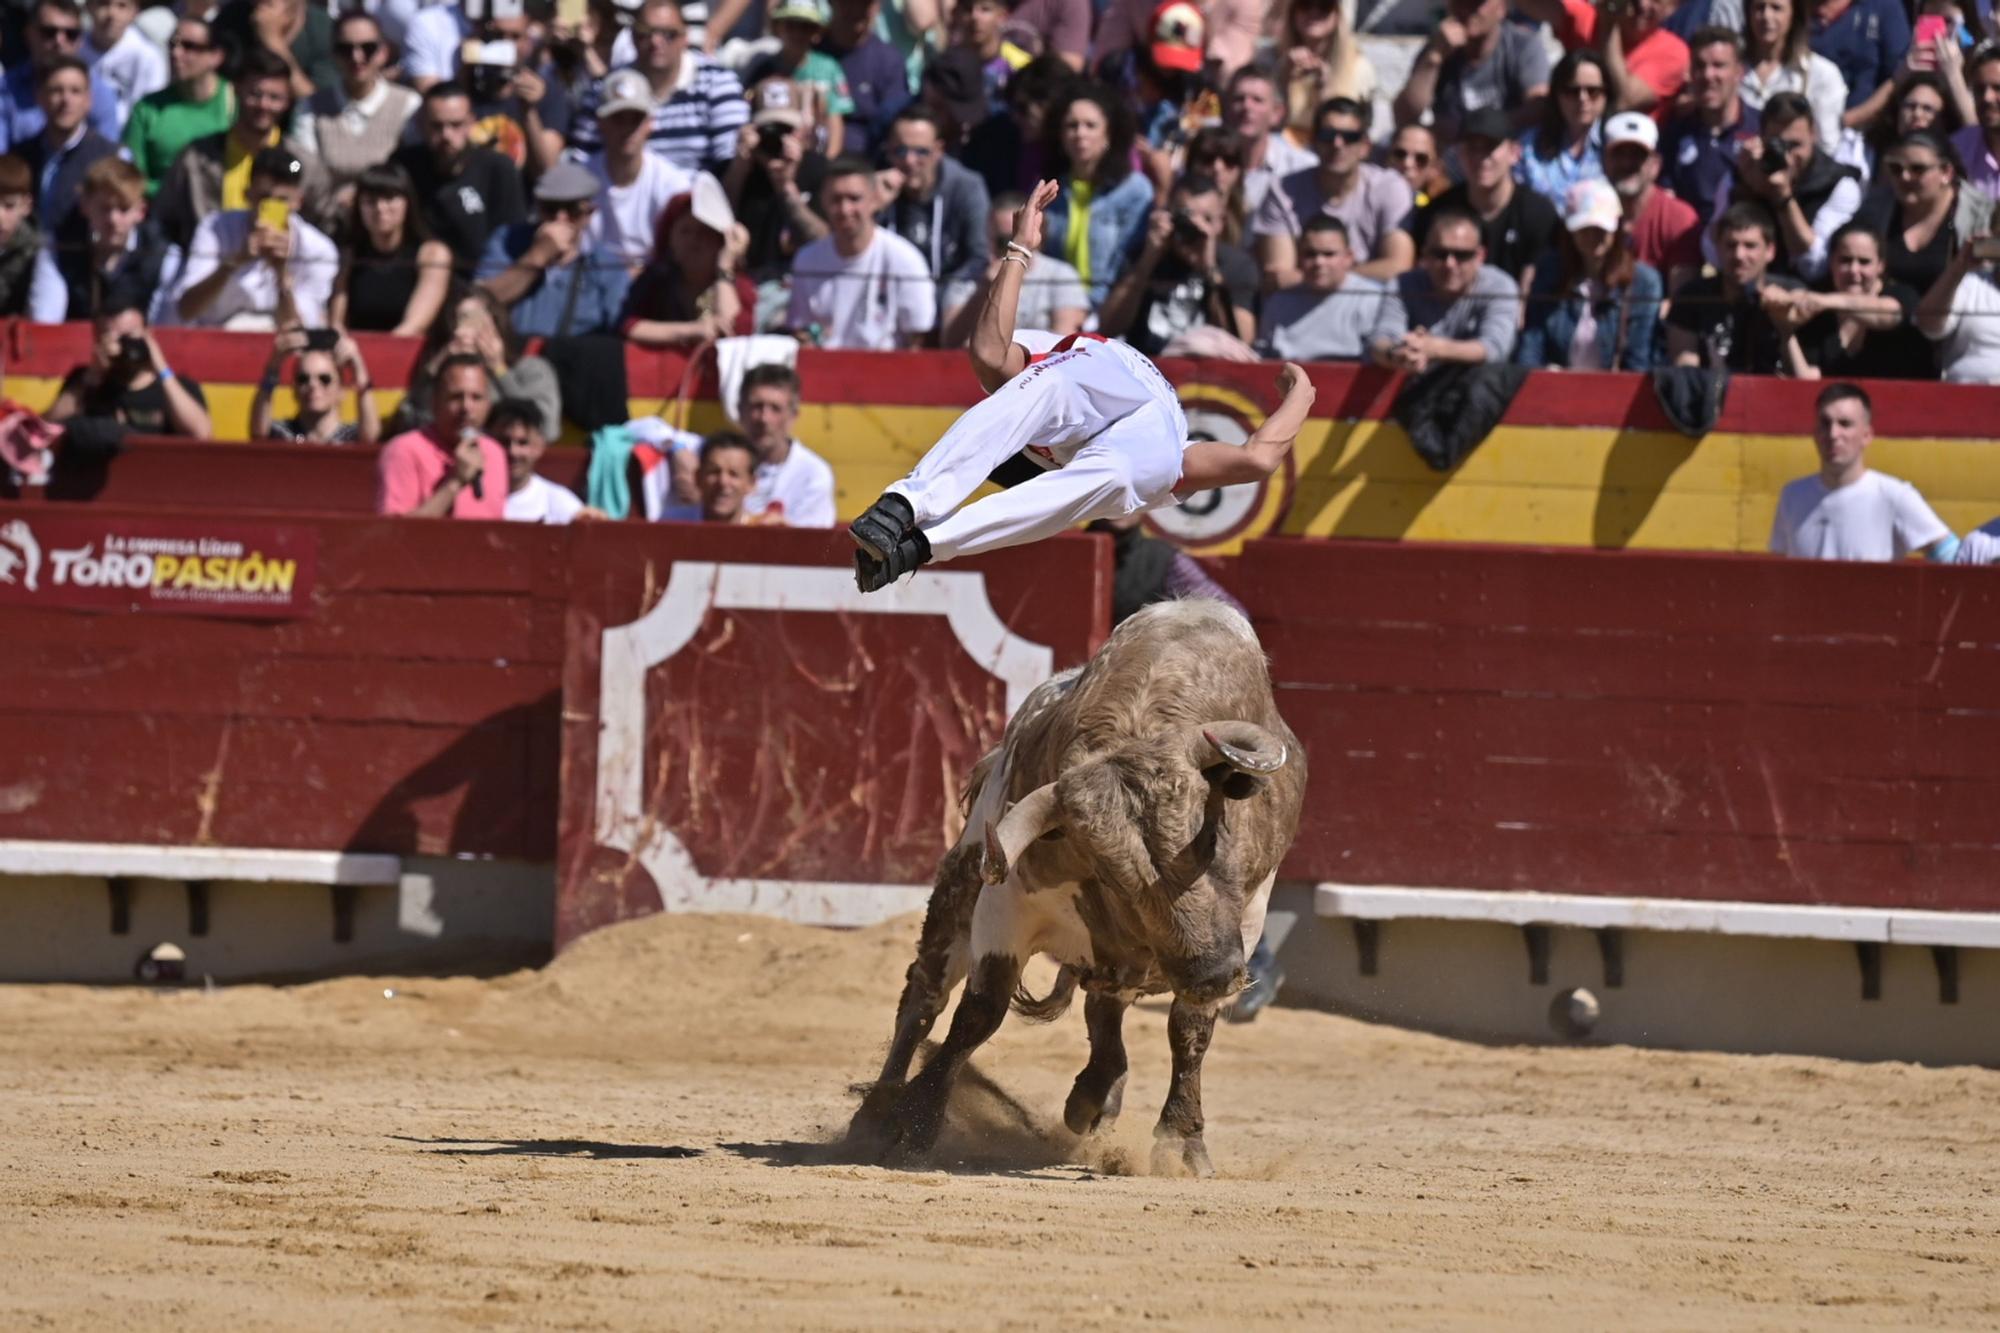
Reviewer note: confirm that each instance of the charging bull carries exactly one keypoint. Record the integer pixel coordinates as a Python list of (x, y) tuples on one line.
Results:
[(1130, 826)]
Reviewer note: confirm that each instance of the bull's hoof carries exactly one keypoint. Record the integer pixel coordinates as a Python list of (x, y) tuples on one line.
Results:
[(1089, 1110), (1175, 1156), (872, 1133)]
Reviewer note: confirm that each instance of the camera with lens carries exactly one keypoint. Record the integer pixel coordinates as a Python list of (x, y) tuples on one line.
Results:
[(1188, 232), (1774, 158), (133, 350), (488, 69), (771, 139)]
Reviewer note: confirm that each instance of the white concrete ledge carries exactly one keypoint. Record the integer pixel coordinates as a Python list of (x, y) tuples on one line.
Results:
[(238, 864), (1973, 930)]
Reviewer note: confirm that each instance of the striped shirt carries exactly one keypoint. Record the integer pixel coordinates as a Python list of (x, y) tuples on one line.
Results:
[(697, 124)]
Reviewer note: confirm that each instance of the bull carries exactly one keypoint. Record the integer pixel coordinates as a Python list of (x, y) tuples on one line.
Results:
[(1129, 826)]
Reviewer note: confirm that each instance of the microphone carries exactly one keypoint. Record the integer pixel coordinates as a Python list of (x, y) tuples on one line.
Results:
[(479, 477)]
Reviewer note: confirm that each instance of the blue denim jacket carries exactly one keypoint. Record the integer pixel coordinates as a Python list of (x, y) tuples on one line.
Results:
[(1552, 317), (1117, 220)]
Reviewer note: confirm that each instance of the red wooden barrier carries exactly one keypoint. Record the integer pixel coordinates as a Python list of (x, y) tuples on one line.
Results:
[(1715, 727)]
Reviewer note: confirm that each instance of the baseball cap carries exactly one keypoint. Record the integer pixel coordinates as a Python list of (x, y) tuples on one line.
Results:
[(626, 90), (1632, 127), (1592, 203), (776, 102), (805, 11), (709, 203), (566, 183), (1489, 123), (277, 164), (1179, 35)]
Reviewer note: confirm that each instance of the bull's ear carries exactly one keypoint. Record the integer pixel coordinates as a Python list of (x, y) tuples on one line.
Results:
[(1232, 784)]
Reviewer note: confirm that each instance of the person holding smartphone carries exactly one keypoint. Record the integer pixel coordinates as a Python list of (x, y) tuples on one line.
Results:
[(263, 266), (128, 380), (322, 356)]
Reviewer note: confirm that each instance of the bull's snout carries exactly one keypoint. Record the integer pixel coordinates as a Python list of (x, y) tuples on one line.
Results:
[(1210, 979)]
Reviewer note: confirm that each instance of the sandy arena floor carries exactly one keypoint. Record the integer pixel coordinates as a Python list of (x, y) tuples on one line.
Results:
[(628, 1140)]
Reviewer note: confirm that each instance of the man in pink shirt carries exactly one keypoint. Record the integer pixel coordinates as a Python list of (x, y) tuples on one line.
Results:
[(450, 467)]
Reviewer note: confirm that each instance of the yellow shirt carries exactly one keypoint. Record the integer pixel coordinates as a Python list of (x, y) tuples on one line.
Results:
[(1076, 242), (236, 170)]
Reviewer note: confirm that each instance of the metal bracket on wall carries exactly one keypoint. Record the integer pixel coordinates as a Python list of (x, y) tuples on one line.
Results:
[(1611, 947), (1869, 953), (197, 896), (1538, 939), (1367, 943), (120, 889), (1945, 958)]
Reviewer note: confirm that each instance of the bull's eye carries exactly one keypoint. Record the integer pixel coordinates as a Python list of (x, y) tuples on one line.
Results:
[(1051, 835)]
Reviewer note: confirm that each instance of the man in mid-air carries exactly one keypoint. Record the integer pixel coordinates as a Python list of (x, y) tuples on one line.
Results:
[(1097, 416)]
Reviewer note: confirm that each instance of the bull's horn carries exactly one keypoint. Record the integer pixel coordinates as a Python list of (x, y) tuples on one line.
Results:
[(1032, 816), (1244, 746)]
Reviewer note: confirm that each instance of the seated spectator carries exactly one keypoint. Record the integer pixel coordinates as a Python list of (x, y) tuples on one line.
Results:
[(1644, 65), (357, 121), (1184, 276), (516, 425), (196, 104), (520, 105), (937, 206), (1098, 217), (212, 174), (771, 183), (725, 477), (261, 266), (1698, 147), (1868, 42), (109, 252), (128, 380), (1255, 112), (1663, 230), (20, 240), (1858, 324), (67, 147), (1413, 154), (1475, 60), (465, 193), (698, 105), (1847, 511), (1978, 144), (1778, 58), (980, 26), (864, 287), (476, 325), (1961, 313), (434, 40), (798, 25), (1010, 152), (1809, 194), (1052, 296), (635, 184), (953, 89), (692, 292), (393, 277), (1166, 87), (1057, 29), (1373, 201), (1567, 144), (1452, 307), (1319, 56), (1596, 307), (1517, 226), (1922, 101), (54, 31), (792, 484), (1927, 214), (122, 56), (1330, 314), (1720, 322), (877, 79), (551, 277), (1218, 154), (450, 467), (297, 33), (316, 383)]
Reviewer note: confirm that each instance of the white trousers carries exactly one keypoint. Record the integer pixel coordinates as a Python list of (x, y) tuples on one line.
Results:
[(1118, 444)]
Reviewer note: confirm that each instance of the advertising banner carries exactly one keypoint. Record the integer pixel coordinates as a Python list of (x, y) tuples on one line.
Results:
[(176, 565)]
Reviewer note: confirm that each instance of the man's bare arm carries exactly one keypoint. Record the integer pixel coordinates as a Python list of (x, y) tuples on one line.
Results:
[(996, 357), (1211, 463)]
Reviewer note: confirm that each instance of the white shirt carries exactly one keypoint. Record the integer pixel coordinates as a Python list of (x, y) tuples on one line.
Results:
[(432, 41), (798, 490), (542, 501), (1879, 517), (871, 302), (628, 215), (133, 67), (250, 298), (1823, 85), (1281, 158), (1969, 350)]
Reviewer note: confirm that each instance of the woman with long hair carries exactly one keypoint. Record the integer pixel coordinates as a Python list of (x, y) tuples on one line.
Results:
[(1778, 58), (393, 277), (1317, 57), (690, 291), (1859, 324), (475, 322), (1597, 309), (1219, 153), (1927, 213), (1567, 144), (1923, 100), (1102, 205)]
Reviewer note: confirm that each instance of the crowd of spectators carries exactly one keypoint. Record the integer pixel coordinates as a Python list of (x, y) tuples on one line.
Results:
[(1766, 186)]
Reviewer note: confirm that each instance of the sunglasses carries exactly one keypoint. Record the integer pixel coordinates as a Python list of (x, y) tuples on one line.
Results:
[(183, 44), (1350, 137), (640, 33), (357, 50), (1448, 254), (1410, 155), (912, 150), (574, 208), (60, 32), (306, 381), (1910, 170)]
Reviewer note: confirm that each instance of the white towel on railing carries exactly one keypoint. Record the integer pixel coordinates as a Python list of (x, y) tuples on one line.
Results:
[(734, 358)]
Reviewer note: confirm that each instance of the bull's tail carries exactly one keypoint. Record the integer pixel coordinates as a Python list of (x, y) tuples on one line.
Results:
[(1051, 1006)]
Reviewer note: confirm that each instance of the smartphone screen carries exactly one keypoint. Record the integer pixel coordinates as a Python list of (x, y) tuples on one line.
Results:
[(275, 214), (570, 12), (1929, 28)]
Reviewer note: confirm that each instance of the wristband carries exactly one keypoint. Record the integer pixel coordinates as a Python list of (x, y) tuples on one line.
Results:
[(1016, 248), (267, 385), (1015, 259), (165, 373)]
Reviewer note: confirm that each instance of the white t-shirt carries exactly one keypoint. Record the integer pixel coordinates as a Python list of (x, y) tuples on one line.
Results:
[(133, 67), (871, 302), (627, 215), (249, 300), (1879, 517), (799, 490), (1970, 347), (542, 501), (432, 42)]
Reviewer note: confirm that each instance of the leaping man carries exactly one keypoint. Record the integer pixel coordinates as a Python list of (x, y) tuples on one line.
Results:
[(1098, 416)]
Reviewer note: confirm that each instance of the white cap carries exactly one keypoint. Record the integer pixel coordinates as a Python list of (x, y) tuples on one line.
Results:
[(1632, 127), (625, 90), (1592, 203)]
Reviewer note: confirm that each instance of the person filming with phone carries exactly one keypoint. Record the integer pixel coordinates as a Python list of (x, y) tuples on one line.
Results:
[(127, 379), (323, 355), (263, 266)]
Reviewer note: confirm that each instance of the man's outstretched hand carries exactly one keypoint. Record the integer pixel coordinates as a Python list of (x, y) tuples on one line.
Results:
[(1293, 380), (1028, 222)]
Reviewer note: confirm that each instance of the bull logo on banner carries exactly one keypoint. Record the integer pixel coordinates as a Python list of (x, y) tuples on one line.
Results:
[(20, 555)]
